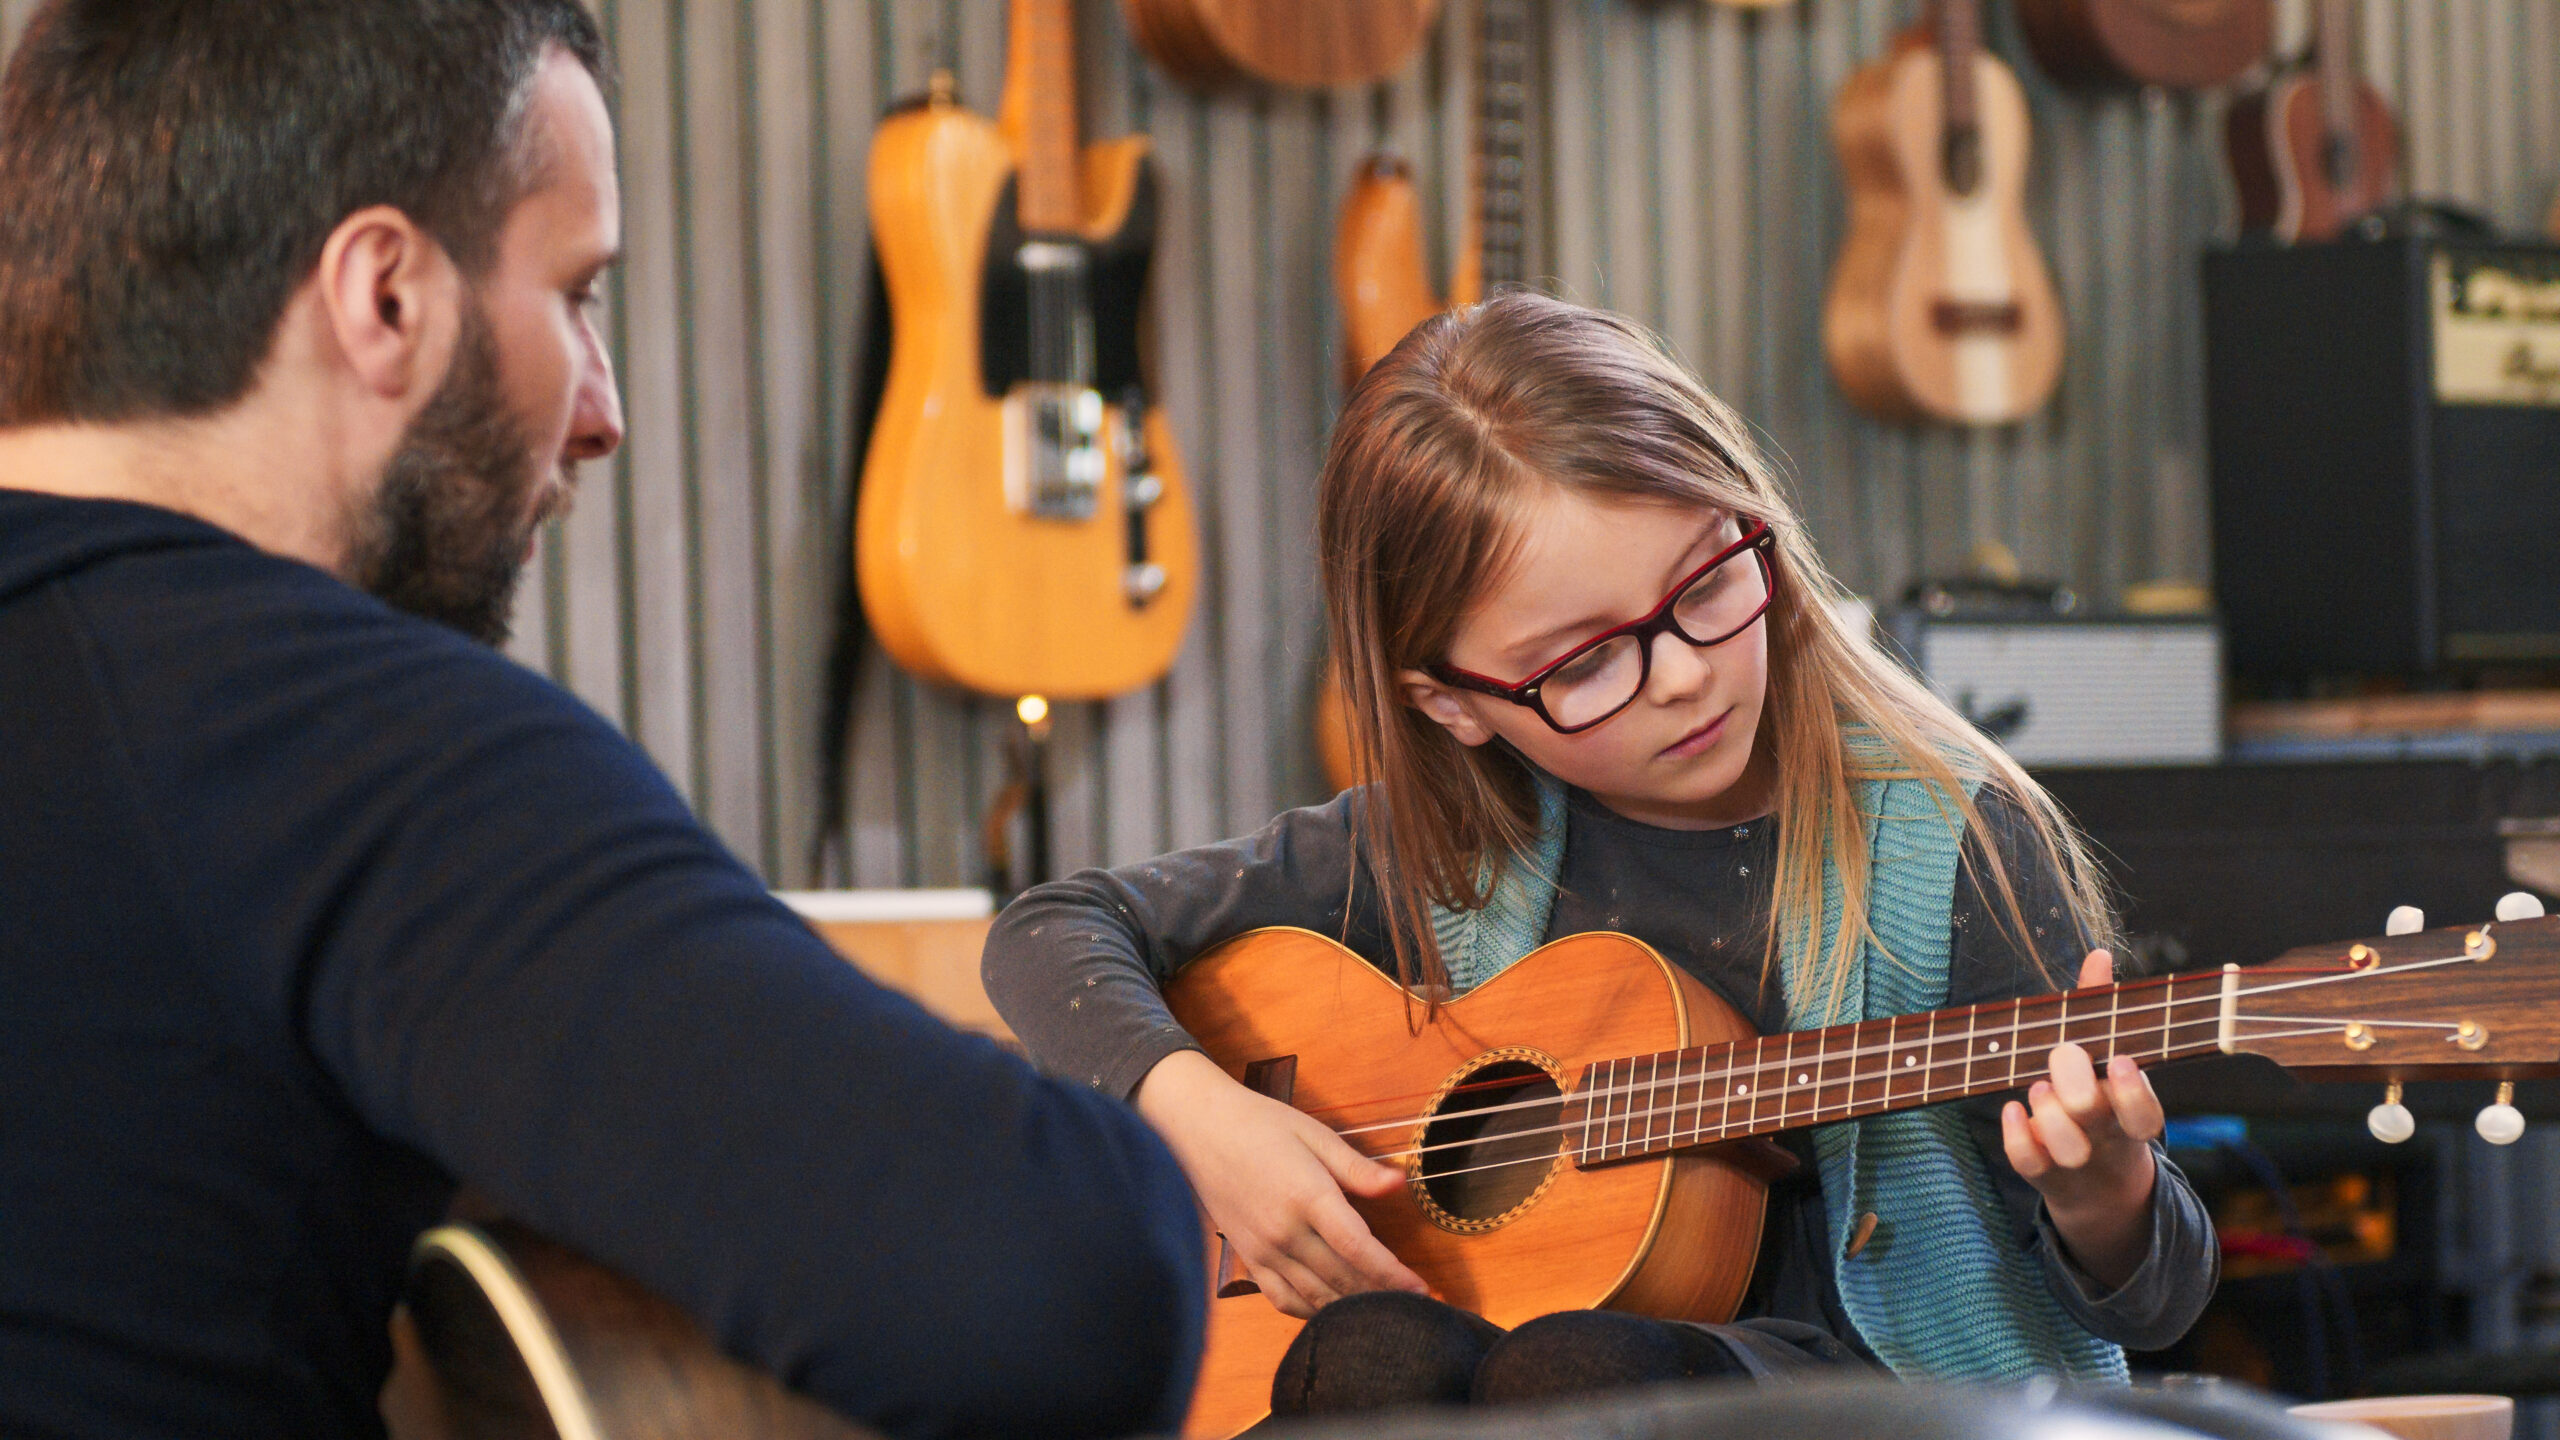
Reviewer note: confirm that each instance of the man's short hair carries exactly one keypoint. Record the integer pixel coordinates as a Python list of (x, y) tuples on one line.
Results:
[(171, 169)]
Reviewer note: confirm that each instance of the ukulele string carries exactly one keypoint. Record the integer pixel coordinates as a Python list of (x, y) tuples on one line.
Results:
[(1726, 1129), (1757, 1066), (2017, 1025)]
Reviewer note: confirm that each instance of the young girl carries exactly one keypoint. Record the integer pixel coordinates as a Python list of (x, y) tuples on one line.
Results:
[(1593, 664)]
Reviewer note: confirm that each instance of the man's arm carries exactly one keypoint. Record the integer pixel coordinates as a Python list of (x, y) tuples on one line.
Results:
[(511, 945)]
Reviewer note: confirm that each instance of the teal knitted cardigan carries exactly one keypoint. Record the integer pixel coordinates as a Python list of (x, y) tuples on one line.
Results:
[(1942, 1287)]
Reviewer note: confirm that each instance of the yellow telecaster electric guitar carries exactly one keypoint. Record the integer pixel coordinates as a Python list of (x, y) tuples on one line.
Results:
[(1023, 527)]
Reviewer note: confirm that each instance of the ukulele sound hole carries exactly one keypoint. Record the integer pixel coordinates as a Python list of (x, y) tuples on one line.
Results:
[(1493, 1141)]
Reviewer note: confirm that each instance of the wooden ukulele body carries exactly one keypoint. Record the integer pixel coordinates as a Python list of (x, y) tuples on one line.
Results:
[(2278, 143), (1940, 304), (1210, 44), (1672, 1236), (2190, 44), (962, 583)]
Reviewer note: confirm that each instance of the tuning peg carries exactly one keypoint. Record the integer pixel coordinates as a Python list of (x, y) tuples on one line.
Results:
[(2502, 1123), (2391, 1121), (2405, 920), (2519, 905)]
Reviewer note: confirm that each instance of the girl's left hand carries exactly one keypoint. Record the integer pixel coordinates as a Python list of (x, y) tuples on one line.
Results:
[(2085, 1144)]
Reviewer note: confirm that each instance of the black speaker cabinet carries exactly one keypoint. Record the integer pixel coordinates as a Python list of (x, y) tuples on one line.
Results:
[(2384, 417)]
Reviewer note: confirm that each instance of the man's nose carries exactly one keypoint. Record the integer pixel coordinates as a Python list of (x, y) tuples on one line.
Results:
[(595, 423)]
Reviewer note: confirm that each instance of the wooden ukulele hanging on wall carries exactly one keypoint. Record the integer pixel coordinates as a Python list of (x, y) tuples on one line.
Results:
[(1212, 44), (1940, 304), (1023, 527), (2189, 44), (2316, 150)]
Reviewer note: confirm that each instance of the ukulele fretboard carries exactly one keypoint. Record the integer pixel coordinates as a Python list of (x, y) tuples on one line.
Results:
[(1644, 1105)]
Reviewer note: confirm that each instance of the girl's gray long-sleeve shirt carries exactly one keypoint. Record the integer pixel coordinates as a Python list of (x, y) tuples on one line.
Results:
[(1076, 968)]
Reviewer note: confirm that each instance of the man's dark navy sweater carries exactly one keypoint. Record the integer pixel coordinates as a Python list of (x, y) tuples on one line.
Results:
[(309, 909)]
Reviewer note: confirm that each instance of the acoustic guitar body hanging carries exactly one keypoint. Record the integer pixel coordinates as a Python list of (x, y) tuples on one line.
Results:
[(1940, 304), (1023, 526), (2187, 44), (1588, 1127), (2317, 149), (1212, 44)]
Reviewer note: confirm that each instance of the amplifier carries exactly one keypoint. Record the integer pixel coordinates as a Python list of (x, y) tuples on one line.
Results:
[(2069, 692), (2384, 417)]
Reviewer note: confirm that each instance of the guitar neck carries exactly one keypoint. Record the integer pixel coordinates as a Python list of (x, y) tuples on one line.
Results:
[(1502, 142), (1959, 35), (2335, 57), (1040, 108), (1650, 1104)]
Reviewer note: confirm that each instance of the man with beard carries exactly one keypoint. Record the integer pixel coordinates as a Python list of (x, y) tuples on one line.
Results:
[(311, 908)]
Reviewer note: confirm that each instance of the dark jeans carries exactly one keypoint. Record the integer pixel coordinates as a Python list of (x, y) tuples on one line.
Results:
[(1387, 1348)]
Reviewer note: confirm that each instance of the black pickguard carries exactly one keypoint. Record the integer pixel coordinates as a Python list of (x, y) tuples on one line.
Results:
[(1115, 290)]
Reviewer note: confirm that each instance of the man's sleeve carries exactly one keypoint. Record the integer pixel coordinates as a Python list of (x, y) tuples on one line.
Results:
[(510, 943)]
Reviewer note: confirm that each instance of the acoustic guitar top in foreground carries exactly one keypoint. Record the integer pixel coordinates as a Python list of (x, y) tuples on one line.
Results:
[(1211, 44), (1585, 1129)]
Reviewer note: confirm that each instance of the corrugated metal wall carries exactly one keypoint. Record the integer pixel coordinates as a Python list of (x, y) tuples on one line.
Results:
[(1685, 175)]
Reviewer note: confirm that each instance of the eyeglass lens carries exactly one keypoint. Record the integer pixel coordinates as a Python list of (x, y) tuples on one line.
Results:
[(1601, 680)]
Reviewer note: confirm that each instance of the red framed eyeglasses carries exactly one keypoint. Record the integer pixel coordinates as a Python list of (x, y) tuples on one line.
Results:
[(1604, 674)]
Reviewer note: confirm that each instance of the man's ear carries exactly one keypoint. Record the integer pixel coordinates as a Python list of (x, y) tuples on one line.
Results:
[(1442, 704), (391, 296)]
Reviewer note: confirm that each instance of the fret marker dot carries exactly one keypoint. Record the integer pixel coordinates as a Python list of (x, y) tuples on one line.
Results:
[(1910, 1060), (1741, 1089), (1802, 1079), (1995, 1047)]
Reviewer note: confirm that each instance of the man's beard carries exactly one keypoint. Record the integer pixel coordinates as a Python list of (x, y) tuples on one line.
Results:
[(446, 535)]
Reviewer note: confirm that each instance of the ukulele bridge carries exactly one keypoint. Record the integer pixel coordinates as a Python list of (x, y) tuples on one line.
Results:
[(1976, 317), (1053, 458)]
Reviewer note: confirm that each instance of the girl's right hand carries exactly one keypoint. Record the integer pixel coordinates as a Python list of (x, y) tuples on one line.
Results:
[(1272, 1179)]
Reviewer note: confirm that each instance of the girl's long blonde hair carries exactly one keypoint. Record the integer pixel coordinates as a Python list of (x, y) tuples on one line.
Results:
[(1437, 451)]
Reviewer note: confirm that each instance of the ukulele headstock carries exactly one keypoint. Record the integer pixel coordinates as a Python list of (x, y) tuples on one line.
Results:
[(2465, 1002)]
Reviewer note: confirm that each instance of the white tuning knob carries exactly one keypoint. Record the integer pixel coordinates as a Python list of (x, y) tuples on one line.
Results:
[(2405, 920), (2391, 1121), (2519, 905), (2502, 1123)]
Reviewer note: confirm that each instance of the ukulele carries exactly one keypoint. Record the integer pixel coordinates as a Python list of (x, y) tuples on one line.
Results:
[(2188, 44), (1211, 44), (1587, 1129), (1940, 305), (1380, 276), (2316, 150), (1023, 527)]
